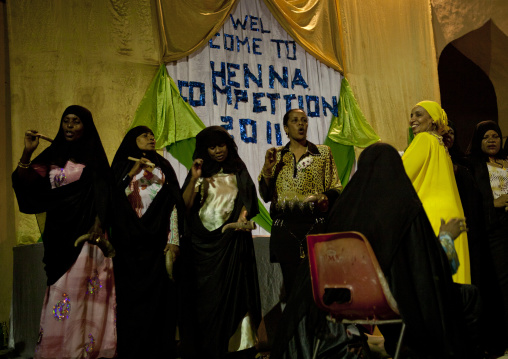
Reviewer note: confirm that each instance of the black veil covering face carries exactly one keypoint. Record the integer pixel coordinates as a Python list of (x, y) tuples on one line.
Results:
[(381, 203), (213, 260), (70, 209), (139, 264)]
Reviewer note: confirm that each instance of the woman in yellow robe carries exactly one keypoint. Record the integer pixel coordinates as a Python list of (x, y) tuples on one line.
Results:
[(430, 169)]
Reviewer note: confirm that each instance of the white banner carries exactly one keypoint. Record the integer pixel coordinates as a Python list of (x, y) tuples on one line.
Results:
[(248, 76)]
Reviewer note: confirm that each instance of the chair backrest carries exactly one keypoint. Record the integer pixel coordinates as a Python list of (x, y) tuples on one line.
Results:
[(347, 281)]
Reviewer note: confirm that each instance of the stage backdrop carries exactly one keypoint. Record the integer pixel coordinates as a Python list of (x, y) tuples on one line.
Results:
[(103, 55), (249, 74)]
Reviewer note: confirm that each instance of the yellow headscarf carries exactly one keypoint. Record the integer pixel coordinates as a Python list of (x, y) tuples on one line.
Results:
[(437, 113)]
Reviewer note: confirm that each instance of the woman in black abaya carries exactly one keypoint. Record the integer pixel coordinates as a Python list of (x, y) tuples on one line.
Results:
[(148, 217), (381, 203), (70, 181), (489, 164), (221, 295), (482, 263)]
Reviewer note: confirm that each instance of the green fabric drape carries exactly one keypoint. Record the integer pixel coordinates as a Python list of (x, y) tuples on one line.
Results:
[(410, 136), (182, 151), (350, 127), (160, 108), (263, 218), (344, 157)]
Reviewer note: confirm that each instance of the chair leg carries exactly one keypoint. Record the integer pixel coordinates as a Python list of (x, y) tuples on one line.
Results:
[(316, 348), (399, 343)]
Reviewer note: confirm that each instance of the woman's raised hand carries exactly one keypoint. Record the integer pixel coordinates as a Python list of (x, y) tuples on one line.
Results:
[(270, 160), (196, 168), (139, 166), (31, 141)]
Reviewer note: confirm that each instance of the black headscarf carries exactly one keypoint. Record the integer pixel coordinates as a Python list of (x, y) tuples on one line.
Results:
[(381, 178), (129, 148), (122, 165), (216, 135), (213, 136), (71, 209), (87, 150), (478, 164), (381, 203), (475, 146)]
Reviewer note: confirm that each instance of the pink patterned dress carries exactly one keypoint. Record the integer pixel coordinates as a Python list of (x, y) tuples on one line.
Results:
[(78, 317)]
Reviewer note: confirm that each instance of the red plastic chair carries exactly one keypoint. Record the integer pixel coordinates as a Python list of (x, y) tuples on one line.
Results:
[(348, 283)]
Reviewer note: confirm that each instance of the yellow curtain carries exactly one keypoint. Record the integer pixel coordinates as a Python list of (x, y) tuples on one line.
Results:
[(60, 56), (385, 49), (187, 25), (390, 61), (315, 25)]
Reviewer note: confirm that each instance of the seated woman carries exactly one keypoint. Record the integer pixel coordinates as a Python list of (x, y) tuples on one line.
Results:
[(380, 202), (149, 219), (430, 170), (490, 170), (221, 300)]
